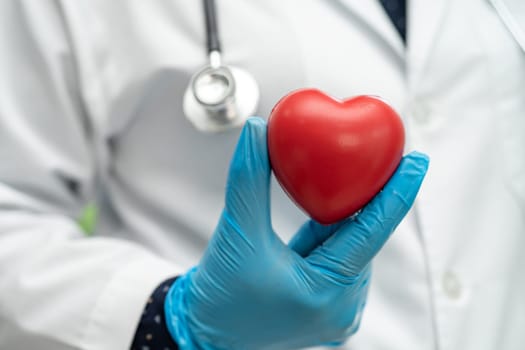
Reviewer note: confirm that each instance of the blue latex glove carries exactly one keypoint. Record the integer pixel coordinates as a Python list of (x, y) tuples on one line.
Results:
[(252, 291)]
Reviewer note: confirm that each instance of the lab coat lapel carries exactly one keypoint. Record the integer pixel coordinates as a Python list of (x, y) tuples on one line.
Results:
[(374, 16), (425, 18)]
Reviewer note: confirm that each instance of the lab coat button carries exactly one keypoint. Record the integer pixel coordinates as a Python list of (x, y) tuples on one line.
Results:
[(451, 285)]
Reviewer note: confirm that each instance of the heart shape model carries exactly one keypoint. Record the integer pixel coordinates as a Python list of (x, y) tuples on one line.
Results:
[(330, 156)]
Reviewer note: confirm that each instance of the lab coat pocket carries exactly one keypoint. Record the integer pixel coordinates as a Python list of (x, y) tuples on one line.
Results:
[(502, 29)]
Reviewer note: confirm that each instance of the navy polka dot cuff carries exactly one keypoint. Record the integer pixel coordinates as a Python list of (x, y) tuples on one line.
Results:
[(151, 333)]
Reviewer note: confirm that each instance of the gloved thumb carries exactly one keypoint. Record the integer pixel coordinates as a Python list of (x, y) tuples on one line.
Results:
[(247, 204)]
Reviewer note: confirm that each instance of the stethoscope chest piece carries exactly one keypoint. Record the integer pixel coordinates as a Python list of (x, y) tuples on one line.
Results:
[(220, 98)]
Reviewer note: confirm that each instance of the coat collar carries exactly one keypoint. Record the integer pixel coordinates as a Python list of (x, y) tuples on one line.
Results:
[(372, 15), (424, 19)]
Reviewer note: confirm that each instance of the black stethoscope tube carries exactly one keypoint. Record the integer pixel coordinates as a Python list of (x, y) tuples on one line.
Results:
[(212, 33)]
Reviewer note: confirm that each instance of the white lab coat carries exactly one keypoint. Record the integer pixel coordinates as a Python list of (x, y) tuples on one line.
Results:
[(90, 110)]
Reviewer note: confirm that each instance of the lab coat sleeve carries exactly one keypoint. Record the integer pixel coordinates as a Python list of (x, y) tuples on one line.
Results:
[(58, 288)]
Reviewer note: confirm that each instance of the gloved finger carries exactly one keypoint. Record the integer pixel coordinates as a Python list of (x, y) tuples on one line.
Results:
[(311, 235), (247, 204), (352, 247)]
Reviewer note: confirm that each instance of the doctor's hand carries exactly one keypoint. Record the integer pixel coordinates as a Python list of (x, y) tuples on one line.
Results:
[(252, 291)]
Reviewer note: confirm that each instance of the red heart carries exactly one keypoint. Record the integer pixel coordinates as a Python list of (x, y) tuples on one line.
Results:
[(333, 156)]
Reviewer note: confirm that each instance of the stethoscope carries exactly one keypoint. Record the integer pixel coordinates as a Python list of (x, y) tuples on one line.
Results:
[(219, 97)]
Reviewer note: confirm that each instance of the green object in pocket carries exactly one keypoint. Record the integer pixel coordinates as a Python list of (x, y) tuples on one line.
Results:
[(88, 219)]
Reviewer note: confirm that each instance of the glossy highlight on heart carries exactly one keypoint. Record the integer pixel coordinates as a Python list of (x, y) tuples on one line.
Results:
[(331, 156)]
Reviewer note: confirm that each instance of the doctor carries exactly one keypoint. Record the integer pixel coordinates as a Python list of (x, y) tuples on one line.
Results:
[(91, 111)]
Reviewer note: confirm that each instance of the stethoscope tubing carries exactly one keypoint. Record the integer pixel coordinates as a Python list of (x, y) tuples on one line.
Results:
[(213, 42)]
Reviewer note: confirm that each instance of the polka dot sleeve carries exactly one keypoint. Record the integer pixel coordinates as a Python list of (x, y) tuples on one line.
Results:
[(151, 333)]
